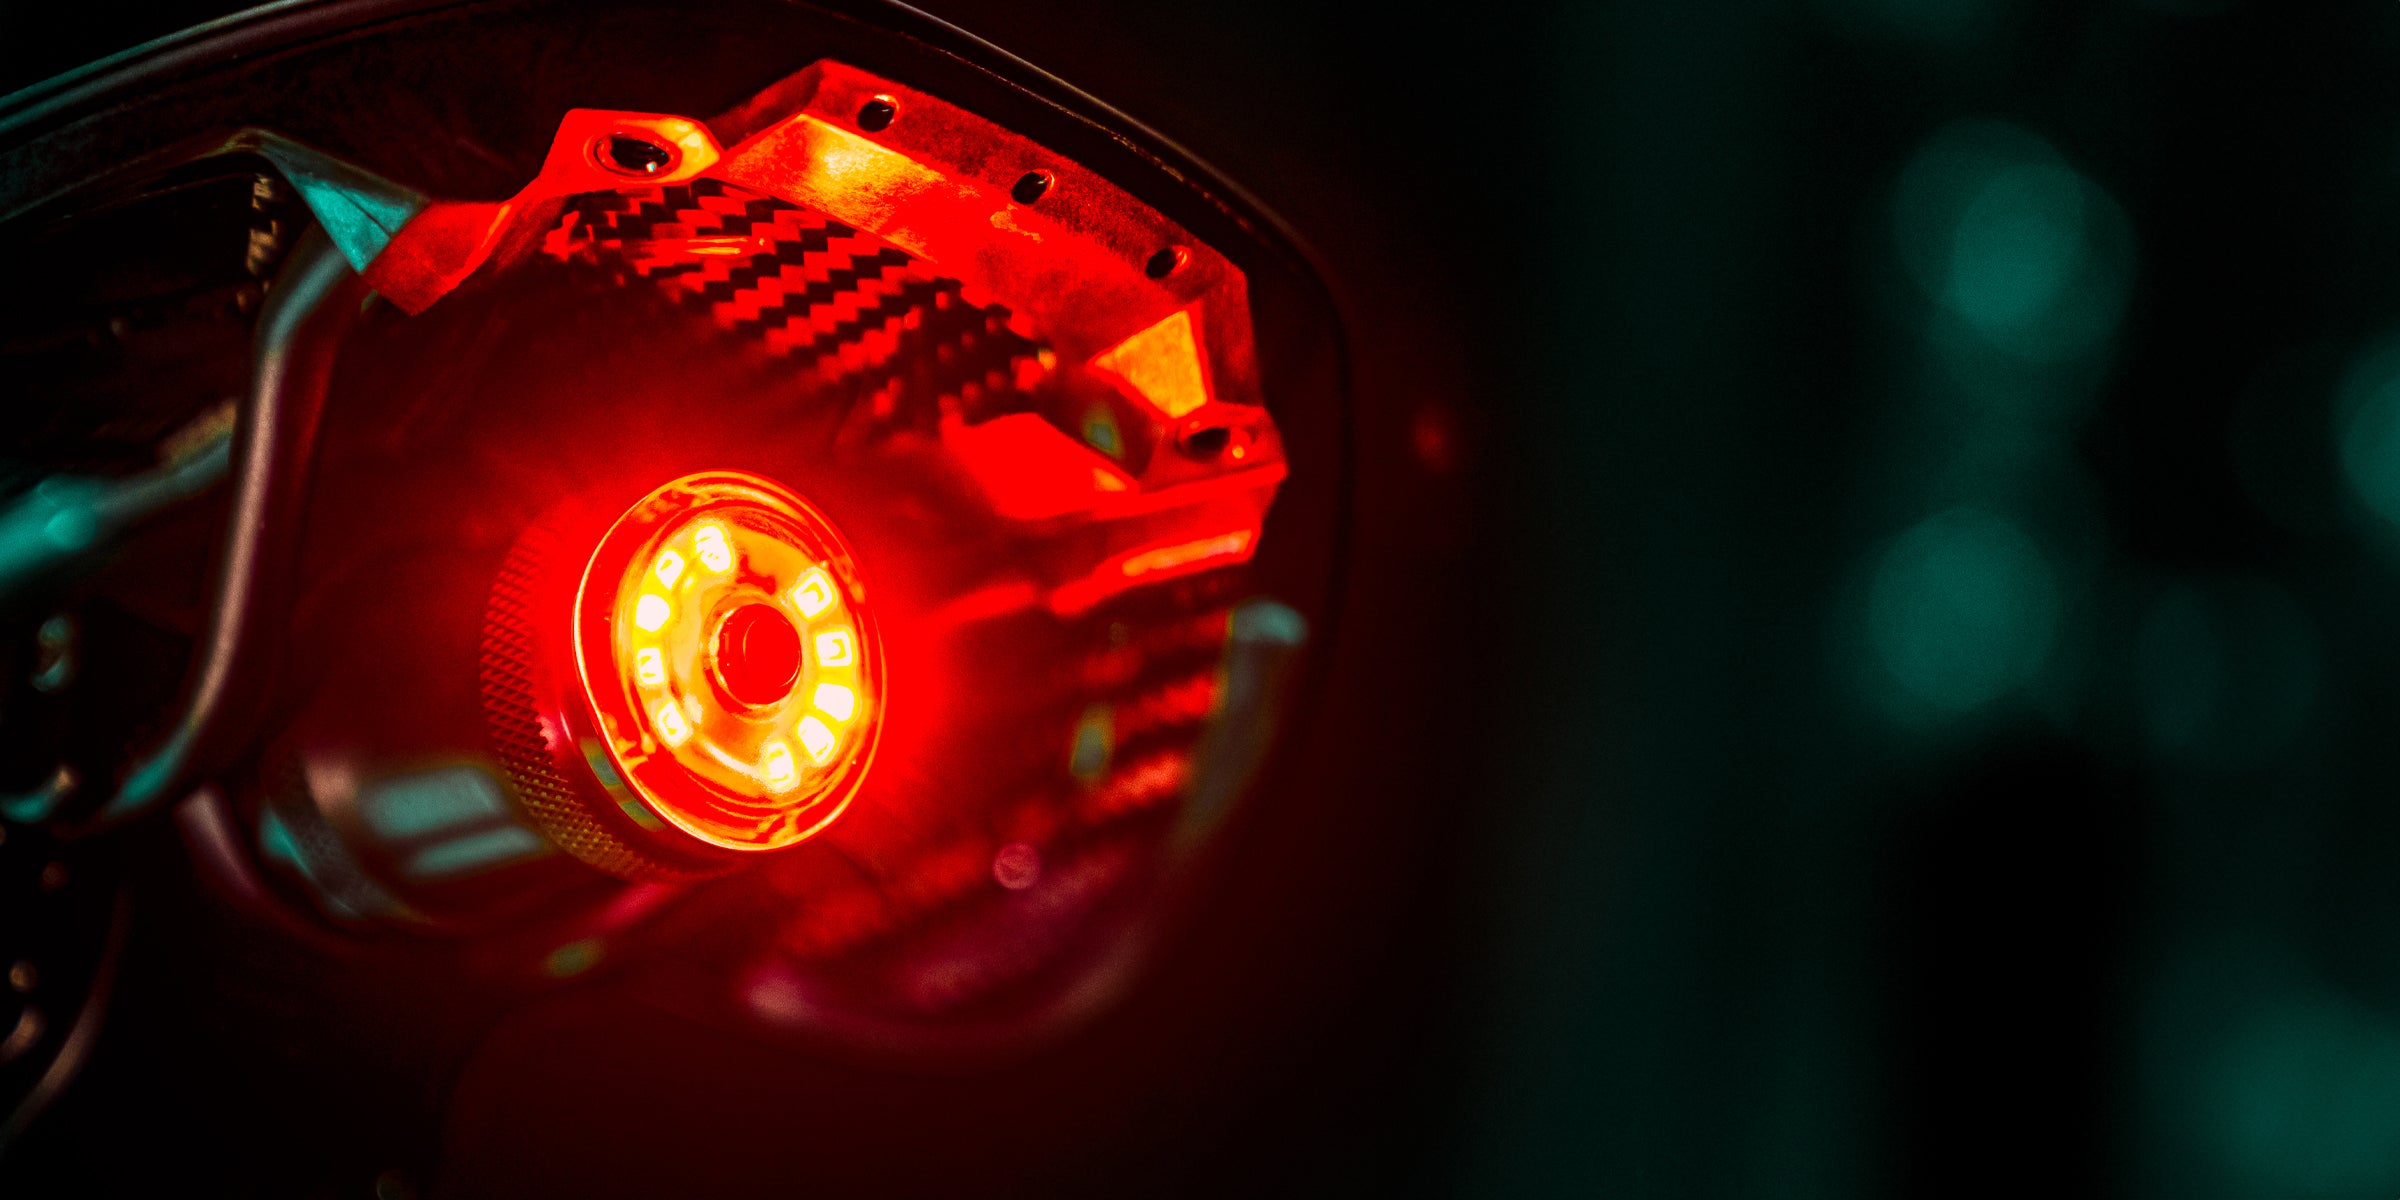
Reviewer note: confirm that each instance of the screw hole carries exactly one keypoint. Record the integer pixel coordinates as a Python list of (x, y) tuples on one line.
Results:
[(628, 155), (1031, 187), (876, 115), (1208, 441), (1165, 262)]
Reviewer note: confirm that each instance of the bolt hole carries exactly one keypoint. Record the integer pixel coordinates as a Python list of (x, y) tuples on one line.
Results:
[(1031, 187), (1208, 441), (1165, 262), (876, 115), (629, 155)]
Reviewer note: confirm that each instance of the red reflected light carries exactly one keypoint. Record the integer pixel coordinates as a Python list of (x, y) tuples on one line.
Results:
[(1186, 554), (1161, 365), (1030, 470)]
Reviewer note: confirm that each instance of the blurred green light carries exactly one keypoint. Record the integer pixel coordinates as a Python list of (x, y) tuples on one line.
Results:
[(2003, 235), (2016, 246), (72, 530), (2307, 1097), (2369, 430), (1962, 609)]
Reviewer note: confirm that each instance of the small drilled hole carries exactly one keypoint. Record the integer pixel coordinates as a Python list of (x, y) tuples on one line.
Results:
[(1031, 186), (876, 115), (1164, 263), (1208, 441), (633, 155)]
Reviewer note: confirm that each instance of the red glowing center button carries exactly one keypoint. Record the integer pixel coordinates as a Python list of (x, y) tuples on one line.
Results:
[(757, 655)]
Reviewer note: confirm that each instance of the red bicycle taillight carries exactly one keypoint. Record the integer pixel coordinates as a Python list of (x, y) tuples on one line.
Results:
[(897, 486), (724, 644), (884, 519), (712, 665), (1044, 409)]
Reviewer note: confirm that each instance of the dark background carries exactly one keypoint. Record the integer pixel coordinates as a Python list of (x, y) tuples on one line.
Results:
[(1933, 471)]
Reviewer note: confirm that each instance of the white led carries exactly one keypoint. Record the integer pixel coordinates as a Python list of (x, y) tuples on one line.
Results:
[(816, 738), (672, 728), (813, 594), (775, 765), (834, 648), (650, 612), (709, 543)]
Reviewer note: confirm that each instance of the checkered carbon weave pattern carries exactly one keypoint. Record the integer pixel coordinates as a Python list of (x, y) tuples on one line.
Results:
[(840, 303)]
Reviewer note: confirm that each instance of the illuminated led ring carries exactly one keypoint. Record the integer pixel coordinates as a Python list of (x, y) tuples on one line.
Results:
[(724, 642)]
